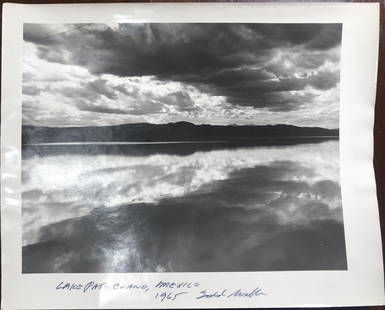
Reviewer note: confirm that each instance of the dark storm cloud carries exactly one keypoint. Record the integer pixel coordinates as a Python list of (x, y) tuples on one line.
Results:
[(324, 80), (39, 33), (313, 36), (232, 60)]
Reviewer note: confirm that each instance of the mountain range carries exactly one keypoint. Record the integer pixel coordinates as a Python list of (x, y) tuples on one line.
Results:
[(179, 131)]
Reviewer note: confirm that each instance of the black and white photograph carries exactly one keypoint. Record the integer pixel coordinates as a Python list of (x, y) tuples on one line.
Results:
[(181, 147)]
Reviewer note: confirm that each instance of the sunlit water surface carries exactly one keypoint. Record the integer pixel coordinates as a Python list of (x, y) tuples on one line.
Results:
[(224, 209)]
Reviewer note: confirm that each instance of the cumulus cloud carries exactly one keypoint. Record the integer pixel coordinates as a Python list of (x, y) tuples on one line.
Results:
[(267, 67), (181, 100)]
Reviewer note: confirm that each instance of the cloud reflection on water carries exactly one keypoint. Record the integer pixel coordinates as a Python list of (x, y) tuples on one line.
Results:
[(259, 208)]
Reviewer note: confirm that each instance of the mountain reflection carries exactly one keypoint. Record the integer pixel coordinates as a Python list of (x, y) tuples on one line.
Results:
[(239, 209)]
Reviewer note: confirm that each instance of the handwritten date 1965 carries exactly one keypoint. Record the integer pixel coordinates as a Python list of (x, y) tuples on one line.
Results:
[(170, 296)]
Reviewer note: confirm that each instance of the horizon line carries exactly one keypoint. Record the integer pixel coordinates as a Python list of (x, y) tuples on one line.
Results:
[(166, 142), (203, 124)]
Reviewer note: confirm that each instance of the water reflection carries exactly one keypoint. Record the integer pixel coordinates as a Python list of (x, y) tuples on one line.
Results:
[(229, 209)]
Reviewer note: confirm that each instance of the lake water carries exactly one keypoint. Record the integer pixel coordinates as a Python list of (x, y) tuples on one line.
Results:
[(191, 207)]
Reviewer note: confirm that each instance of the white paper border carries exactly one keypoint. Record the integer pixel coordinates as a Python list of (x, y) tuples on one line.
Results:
[(361, 284)]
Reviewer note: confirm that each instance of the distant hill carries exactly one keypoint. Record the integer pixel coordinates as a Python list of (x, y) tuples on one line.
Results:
[(180, 131)]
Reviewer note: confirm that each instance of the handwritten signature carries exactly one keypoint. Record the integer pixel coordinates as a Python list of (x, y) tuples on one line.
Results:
[(228, 294)]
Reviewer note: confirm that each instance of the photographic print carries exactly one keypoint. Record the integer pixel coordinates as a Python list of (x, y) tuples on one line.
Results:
[(181, 147)]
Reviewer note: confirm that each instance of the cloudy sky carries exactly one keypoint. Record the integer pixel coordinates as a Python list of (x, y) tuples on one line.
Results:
[(107, 74)]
